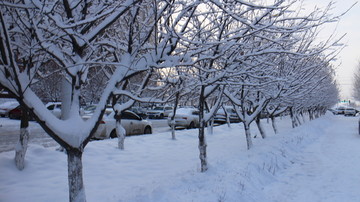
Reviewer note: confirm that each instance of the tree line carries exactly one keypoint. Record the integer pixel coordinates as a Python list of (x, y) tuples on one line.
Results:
[(255, 56)]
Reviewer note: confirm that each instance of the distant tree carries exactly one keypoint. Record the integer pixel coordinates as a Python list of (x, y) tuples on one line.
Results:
[(356, 84), (75, 36)]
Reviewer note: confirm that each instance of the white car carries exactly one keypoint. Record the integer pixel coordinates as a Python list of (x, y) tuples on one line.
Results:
[(55, 108), (350, 112), (159, 112), (6, 107), (185, 118), (220, 116), (132, 123)]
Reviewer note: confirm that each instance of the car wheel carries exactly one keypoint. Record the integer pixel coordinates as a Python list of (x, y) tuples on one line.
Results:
[(147, 130), (161, 116), (113, 134), (192, 125)]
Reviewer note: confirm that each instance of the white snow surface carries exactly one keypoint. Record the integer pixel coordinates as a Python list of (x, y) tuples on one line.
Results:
[(318, 161)]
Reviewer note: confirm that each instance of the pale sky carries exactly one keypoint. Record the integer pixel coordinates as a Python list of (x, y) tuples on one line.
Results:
[(350, 55)]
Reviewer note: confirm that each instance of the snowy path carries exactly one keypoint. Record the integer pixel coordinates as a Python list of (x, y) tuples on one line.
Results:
[(328, 170)]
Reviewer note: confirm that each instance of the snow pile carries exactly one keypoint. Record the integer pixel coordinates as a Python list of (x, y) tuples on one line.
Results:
[(156, 168)]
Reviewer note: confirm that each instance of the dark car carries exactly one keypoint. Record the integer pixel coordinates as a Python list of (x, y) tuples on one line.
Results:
[(139, 111), (17, 113)]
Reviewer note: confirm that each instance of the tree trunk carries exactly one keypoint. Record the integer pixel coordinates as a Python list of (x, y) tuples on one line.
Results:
[(66, 91), (293, 119), (202, 147), (261, 129), (302, 116), (228, 120), (172, 122), (298, 120), (211, 127), (273, 123), (121, 134), (21, 147), (120, 131), (202, 140), (75, 176), (248, 135)]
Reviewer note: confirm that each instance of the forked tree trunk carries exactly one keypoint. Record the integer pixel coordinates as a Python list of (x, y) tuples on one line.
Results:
[(21, 147), (260, 127), (75, 176), (248, 135)]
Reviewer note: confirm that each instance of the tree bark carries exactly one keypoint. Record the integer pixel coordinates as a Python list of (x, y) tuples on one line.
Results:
[(21, 147), (75, 176), (121, 133), (261, 129), (293, 118), (202, 140), (202, 148), (211, 127), (172, 122), (298, 120), (273, 123), (66, 89), (248, 135)]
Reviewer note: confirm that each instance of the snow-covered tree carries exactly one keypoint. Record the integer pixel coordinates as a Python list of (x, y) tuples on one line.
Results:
[(74, 35), (356, 85), (124, 38)]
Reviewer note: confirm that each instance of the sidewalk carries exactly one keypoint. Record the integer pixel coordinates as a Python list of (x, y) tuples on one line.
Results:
[(328, 170)]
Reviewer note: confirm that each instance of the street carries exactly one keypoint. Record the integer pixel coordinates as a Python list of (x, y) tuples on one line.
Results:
[(10, 129)]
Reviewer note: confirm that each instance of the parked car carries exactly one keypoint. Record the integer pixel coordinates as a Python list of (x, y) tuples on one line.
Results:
[(139, 111), (185, 118), (17, 113), (132, 123), (339, 110), (159, 112), (89, 109), (55, 108), (220, 116), (350, 112), (6, 107)]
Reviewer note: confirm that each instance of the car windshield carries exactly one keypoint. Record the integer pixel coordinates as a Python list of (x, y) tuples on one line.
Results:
[(159, 108)]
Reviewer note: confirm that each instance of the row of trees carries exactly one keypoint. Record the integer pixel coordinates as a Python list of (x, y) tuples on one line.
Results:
[(255, 56)]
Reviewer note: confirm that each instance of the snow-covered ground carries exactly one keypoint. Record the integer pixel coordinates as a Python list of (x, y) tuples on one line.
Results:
[(318, 161)]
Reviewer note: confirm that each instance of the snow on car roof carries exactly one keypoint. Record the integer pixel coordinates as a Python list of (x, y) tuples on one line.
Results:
[(185, 110)]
